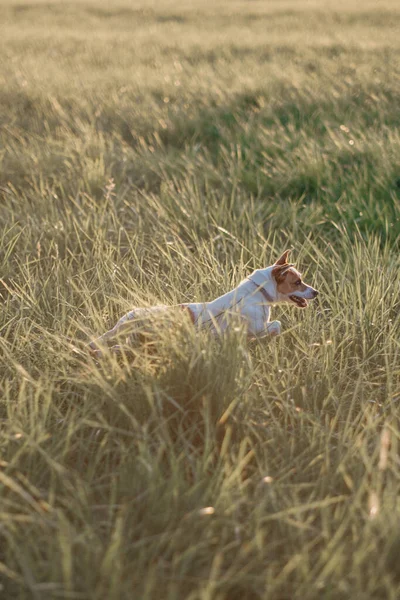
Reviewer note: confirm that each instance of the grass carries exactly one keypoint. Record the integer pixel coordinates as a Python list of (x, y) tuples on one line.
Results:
[(158, 152)]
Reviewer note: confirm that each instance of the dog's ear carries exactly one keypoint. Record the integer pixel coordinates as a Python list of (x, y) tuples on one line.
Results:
[(279, 272), (283, 260)]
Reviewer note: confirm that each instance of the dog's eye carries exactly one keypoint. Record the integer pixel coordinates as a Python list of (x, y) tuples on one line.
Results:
[(298, 282)]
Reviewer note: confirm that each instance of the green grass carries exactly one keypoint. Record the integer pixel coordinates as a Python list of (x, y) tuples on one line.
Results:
[(158, 152)]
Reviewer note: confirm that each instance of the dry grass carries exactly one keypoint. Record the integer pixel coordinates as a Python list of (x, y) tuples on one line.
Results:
[(157, 152)]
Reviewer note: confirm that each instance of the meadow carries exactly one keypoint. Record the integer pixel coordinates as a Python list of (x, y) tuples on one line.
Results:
[(158, 152)]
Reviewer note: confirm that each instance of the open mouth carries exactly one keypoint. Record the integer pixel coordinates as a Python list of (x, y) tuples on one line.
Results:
[(301, 302)]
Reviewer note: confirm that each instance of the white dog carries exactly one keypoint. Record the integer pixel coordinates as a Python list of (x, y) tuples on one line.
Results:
[(250, 302)]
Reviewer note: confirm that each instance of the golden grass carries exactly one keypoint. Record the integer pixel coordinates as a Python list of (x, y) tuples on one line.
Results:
[(158, 152)]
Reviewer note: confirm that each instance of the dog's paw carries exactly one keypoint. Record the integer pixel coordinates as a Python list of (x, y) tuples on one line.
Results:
[(274, 328), (97, 353)]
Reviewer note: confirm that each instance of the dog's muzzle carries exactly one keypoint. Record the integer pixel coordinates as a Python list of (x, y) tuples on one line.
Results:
[(301, 301)]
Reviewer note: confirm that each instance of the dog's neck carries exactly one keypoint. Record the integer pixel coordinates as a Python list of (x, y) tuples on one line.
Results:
[(263, 281), (258, 288)]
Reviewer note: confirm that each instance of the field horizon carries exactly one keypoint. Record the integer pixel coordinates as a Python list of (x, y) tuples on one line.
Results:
[(158, 152)]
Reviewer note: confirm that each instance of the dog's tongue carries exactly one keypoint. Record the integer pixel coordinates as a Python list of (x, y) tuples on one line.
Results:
[(301, 302)]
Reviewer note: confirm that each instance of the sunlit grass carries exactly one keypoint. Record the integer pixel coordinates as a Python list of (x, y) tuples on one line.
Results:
[(158, 153)]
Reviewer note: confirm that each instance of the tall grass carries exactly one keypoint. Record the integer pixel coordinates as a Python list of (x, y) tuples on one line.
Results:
[(158, 153)]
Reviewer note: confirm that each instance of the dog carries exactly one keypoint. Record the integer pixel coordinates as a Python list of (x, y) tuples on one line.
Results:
[(250, 303)]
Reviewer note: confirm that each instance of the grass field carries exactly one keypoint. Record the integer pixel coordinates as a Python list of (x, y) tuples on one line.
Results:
[(158, 152)]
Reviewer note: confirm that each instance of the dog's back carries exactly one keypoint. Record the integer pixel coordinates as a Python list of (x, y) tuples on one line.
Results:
[(141, 323)]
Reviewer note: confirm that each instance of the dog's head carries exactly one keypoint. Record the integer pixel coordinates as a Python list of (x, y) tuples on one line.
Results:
[(289, 285)]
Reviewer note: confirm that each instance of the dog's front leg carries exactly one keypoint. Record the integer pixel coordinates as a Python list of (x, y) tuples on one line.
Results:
[(274, 328), (260, 328)]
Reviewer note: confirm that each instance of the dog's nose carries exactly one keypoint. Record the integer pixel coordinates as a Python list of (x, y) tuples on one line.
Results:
[(315, 293)]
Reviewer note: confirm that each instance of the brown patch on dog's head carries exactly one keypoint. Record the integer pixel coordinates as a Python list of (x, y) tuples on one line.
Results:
[(288, 281), (289, 285), (281, 267)]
